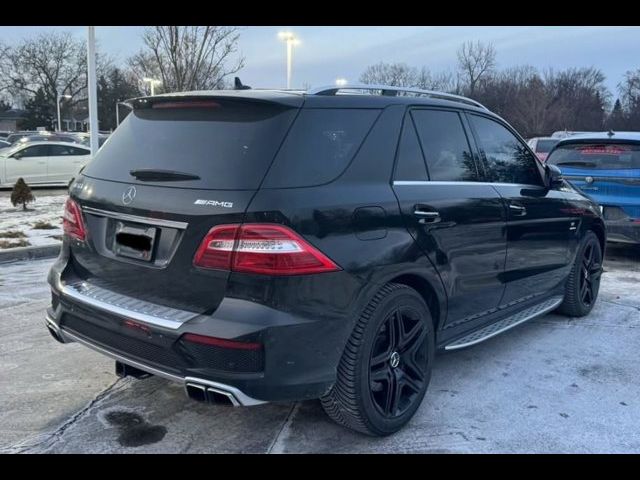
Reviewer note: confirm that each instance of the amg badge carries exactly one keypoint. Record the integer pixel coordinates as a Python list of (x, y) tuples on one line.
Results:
[(214, 203)]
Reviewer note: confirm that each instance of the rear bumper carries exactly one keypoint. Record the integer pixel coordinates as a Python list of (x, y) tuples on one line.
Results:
[(300, 355), (237, 397), (623, 231)]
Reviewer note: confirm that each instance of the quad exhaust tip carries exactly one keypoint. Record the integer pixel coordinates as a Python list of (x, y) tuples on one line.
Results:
[(203, 393)]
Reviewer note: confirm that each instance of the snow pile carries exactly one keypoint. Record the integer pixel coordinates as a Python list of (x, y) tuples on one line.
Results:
[(45, 211)]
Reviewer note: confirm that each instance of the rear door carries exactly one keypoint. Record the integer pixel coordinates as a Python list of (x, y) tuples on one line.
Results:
[(30, 163), (145, 229), (539, 222), (458, 221), (65, 161)]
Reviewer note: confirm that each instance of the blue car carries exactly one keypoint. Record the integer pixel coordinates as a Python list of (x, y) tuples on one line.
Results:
[(606, 167)]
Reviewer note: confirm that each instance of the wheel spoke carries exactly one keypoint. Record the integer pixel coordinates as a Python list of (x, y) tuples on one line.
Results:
[(397, 391), (409, 339), (390, 393), (413, 384)]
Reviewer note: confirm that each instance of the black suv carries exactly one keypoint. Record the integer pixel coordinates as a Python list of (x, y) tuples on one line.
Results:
[(264, 245)]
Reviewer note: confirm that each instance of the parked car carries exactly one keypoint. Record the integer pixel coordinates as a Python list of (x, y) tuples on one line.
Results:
[(4, 144), (85, 138), (4, 134), (541, 146), (262, 246), (42, 163), (606, 166), (566, 133)]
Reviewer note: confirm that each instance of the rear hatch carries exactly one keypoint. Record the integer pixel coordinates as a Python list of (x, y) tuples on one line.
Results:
[(609, 172), (175, 168)]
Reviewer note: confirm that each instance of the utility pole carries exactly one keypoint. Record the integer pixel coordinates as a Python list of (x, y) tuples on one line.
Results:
[(93, 94)]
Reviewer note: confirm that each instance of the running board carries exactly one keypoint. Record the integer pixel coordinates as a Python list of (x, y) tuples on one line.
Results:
[(505, 324)]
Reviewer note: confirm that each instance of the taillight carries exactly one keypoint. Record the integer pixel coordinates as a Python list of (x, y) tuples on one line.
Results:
[(221, 342), (72, 223), (260, 248)]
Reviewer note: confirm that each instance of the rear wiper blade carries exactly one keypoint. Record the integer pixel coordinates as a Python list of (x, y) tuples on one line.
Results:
[(153, 175)]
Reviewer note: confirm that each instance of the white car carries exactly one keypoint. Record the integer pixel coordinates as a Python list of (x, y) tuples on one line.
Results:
[(42, 163)]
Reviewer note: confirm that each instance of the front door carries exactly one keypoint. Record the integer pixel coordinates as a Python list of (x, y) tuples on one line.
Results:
[(539, 220), (30, 163), (458, 222)]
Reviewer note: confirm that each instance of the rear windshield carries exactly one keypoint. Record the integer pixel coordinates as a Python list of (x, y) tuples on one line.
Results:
[(545, 146), (229, 145), (320, 146), (596, 156)]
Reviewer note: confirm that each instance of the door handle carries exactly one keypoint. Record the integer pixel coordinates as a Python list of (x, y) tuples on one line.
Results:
[(426, 214), (517, 210)]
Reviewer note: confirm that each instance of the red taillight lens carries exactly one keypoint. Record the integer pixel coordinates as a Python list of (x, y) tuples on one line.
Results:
[(261, 248), (72, 223), (216, 248)]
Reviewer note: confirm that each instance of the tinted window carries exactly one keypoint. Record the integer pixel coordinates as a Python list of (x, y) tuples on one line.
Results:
[(35, 151), (598, 157), (508, 159), (410, 163), (320, 146), (229, 146), (64, 150), (545, 146), (445, 146)]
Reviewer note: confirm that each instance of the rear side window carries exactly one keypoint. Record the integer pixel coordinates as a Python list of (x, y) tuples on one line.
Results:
[(597, 156), (320, 146), (508, 159), (64, 150), (445, 146), (229, 146), (410, 162)]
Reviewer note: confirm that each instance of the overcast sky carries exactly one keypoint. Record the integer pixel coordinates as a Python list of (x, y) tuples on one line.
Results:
[(326, 53)]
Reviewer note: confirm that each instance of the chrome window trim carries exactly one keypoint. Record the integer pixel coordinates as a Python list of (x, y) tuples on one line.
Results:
[(134, 218)]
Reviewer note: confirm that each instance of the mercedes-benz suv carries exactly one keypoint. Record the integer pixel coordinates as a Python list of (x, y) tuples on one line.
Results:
[(263, 245)]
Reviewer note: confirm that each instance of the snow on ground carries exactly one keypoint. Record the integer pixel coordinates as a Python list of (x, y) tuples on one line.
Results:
[(46, 209)]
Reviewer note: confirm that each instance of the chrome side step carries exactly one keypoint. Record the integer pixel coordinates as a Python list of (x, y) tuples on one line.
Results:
[(505, 324)]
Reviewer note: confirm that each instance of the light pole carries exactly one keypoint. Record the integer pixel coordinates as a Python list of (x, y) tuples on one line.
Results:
[(291, 40), (93, 90), (58, 97), (152, 82)]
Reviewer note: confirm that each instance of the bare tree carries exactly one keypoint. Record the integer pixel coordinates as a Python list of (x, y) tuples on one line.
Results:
[(187, 58), (54, 62), (475, 61), (392, 74)]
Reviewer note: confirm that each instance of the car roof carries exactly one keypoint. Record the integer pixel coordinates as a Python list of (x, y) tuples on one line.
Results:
[(53, 142), (609, 137), (298, 98)]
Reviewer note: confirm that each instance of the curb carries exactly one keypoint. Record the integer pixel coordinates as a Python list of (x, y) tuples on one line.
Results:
[(29, 253)]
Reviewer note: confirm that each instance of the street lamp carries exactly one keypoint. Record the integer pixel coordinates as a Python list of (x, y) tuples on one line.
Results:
[(152, 82), (291, 40), (58, 108), (341, 82)]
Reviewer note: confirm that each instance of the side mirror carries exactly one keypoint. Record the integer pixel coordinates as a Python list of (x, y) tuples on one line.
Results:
[(553, 176)]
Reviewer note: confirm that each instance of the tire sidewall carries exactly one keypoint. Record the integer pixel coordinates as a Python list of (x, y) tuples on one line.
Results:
[(404, 297), (589, 238)]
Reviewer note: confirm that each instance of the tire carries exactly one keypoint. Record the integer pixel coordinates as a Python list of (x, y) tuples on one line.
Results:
[(583, 283), (385, 369)]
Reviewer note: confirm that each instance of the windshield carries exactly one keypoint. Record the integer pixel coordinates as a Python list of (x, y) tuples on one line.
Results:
[(597, 156)]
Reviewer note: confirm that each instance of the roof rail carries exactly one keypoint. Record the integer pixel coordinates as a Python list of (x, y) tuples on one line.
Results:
[(389, 90)]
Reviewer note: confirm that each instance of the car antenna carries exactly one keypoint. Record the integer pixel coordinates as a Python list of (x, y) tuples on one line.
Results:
[(611, 133), (237, 85)]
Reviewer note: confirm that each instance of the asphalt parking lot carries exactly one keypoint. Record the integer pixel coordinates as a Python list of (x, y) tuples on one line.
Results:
[(551, 385)]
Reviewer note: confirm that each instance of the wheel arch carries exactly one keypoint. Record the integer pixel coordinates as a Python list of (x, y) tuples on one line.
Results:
[(598, 228), (427, 292)]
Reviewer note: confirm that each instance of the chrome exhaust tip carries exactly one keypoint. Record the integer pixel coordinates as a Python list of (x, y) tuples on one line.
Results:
[(216, 396)]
